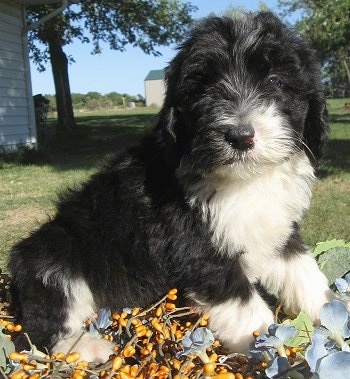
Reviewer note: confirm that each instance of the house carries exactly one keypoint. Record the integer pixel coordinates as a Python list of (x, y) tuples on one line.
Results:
[(17, 116), (155, 88)]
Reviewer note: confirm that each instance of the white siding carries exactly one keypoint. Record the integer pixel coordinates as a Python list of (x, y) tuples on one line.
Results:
[(17, 121), (154, 90)]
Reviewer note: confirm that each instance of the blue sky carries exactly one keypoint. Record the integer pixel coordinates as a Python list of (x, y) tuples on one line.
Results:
[(123, 72)]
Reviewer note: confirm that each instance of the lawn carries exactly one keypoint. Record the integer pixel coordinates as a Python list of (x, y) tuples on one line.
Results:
[(28, 192)]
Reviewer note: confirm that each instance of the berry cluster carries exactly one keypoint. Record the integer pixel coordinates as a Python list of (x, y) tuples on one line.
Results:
[(148, 344)]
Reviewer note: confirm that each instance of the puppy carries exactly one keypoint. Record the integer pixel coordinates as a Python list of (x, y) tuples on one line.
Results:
[(210, 202)]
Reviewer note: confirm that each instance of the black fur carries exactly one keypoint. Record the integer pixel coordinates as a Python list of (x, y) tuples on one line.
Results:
[(130, 231)]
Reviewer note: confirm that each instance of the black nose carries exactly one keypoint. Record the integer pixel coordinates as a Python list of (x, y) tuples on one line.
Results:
[(240, 137)]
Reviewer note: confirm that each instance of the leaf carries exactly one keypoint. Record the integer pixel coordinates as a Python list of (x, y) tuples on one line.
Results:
[(6, 348), (303, 325), (335, 263), (321, 247)]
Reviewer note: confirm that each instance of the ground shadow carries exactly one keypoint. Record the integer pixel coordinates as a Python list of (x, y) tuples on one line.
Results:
[(336, 159), (94, 138)]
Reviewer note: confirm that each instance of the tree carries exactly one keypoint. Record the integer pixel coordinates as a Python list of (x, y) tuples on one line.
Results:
[(146, 24), (326, 24)]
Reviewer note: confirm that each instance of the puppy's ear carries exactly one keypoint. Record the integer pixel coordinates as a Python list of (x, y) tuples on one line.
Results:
[(316, 127), (166, 125), (167, 136)]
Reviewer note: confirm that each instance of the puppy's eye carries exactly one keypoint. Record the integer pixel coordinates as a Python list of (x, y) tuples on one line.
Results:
[(274, 80)]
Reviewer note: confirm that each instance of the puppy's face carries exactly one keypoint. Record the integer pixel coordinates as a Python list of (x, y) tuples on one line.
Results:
[(243, 93)]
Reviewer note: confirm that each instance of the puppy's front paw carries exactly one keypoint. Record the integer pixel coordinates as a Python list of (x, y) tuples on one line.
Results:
[(90, 348)]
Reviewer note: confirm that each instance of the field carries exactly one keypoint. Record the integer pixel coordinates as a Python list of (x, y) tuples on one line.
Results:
[(28, 191)]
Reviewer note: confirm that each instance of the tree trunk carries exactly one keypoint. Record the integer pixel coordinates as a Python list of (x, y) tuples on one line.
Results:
[(346, 69), (59, 64)]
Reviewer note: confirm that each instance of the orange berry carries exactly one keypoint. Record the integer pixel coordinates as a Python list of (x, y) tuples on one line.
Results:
[(149, 346), (228, 375), (77, 375), (18, 328), (125, 369), (134, 370), (18, 356), (117, 363), (59, 356), (123, 322), (173, 291), (256, 333), (135, 311), (136, 322), (129, 351), (10, 327), (159, 311), (145, 351), (124, 375), (171, 296), (170, 306), (176, 364), (72, 357), (19, 375), (209, 369), (213, 357), (82, 364), (30, 366)]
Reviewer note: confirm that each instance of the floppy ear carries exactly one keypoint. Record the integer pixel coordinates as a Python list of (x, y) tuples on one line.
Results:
[(316, 127), (166, 135)]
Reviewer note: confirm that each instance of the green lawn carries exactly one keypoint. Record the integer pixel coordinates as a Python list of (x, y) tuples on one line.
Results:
[(28, 192)]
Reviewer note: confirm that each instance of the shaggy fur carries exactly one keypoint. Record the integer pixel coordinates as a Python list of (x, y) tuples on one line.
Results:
[(209, 203)]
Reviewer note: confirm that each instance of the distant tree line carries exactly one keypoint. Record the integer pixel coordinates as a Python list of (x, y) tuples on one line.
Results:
[(93, 101)]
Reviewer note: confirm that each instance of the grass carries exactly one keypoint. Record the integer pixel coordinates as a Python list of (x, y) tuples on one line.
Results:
[(329, 215), (28, 192)]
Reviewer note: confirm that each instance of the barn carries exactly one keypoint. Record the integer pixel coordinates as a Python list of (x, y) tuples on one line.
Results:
[(17, 117), (155, 88)]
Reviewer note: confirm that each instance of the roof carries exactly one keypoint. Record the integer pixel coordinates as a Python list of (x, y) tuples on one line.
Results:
[(155, 75)]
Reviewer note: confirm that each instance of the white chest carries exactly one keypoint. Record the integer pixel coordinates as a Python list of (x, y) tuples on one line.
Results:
[(255, 215)]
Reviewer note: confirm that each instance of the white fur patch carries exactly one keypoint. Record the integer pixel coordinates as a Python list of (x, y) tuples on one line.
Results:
[(299, 283), (234, 321), (81, 307), (90, 348), (255, 215)]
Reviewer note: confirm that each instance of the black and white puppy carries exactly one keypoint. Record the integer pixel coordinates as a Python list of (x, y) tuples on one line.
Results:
[(209, 203)]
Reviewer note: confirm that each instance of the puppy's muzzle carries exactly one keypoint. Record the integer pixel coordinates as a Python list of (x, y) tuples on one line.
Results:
[(240, 137)]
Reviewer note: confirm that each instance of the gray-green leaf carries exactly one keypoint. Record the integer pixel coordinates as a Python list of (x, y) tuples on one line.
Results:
[(6, 348), (335, 263)]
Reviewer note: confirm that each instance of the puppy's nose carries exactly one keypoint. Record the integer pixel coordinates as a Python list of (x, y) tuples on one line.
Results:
[(240, 137)]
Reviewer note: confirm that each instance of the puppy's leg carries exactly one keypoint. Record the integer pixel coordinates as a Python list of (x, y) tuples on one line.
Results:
[(80, 307), (234, 321), (300, 284), (53, 314)]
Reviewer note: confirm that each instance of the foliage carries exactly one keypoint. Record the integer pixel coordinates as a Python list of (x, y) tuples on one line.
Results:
[(326, 25), (168, 342), (145, 24), (333, 258)]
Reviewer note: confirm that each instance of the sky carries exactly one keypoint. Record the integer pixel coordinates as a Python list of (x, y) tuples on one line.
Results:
[(124, 72)]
